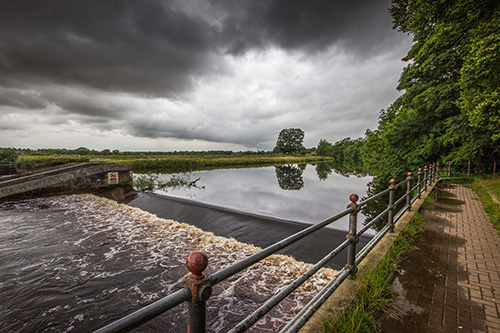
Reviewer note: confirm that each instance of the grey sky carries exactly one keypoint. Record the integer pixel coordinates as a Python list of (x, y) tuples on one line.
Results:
[(193, 74)]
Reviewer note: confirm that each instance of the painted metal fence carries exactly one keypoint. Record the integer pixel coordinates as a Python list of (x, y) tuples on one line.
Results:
[(197, 287), (469, 169)]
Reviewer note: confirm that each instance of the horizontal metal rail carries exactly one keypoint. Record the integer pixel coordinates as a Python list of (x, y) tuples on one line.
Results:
[(147, 313), (247, 262), (314, 304), (197, 287), (372, 222), (371, 244), (373, 197), (275, 300)]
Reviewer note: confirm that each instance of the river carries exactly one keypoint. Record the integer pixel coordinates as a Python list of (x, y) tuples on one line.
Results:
[(77, 262)]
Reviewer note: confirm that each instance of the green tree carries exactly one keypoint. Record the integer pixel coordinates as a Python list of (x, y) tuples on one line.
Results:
[(325, 148), (105, 152), (7, 155), (289, 141), (450, 106), (480, 89)]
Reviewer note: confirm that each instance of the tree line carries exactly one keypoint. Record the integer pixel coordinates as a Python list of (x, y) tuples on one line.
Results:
[(450, 108)]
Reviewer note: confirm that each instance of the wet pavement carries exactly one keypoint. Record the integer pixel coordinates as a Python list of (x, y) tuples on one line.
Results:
[(452, 282)]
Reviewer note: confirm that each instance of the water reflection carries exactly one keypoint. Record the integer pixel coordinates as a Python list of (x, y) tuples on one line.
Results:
[(290, 176), (296, 193)]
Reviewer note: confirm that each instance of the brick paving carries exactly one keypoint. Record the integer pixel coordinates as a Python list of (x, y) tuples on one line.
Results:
[(452, 283)]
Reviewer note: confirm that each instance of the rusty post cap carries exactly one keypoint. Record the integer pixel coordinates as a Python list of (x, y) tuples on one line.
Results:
[(393, 182), (354, 197), (196, 263), (426, 167), (419, 169), (410, 174)]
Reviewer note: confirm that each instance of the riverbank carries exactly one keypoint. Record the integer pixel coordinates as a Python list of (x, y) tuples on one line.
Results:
[(171, 163), (354, 306)]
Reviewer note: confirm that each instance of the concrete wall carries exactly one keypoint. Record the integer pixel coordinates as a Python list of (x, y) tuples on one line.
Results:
[(73, 178)]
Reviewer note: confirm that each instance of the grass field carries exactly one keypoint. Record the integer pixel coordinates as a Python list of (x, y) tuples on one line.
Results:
[(170, 163)]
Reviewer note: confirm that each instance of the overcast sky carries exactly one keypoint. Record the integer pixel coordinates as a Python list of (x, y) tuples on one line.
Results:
[(163, 75)]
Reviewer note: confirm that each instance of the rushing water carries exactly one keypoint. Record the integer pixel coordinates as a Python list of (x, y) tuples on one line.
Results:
[(78, 262)]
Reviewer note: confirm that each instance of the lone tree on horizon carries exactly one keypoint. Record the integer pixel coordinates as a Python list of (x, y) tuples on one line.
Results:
[(289, 141)]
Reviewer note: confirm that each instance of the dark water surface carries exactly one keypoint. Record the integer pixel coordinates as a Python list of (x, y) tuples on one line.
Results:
[(76, 263)]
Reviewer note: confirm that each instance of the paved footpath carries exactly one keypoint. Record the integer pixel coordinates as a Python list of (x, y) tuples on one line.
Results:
[(452, 283)]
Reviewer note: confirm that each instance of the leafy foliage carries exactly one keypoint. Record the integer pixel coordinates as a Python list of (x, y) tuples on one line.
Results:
[(450, 108), (289, 141), (7, 155)]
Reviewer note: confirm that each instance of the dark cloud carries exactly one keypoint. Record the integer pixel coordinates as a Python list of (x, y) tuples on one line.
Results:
[(143, 47), (151, 47), (307, 26), (174, 68), (21, 99)]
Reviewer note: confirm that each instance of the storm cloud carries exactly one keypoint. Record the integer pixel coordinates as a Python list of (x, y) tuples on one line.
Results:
[(221, 74)]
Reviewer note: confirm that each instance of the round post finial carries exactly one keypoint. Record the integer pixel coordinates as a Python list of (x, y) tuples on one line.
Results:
[(419, 169), (196, 263), (410, 174), (353, 197), (393, 182)]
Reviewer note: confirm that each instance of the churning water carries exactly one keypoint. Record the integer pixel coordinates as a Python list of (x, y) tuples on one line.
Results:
[(75, 263)]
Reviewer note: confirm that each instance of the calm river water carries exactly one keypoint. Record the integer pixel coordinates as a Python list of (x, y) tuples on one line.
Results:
[(289, 192), (75, 263)]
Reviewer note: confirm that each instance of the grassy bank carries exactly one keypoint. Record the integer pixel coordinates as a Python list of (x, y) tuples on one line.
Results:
[(375, 295), (488, 190), (171, 163)]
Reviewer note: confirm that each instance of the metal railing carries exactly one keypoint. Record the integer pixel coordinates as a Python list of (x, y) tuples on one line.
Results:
[(469, 169), (197, 287)]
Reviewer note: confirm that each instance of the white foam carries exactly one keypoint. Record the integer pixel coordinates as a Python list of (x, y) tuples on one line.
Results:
[(155, 242)]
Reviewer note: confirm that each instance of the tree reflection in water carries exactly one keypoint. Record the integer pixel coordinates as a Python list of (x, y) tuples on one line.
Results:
[(290, 176), (377, 185)]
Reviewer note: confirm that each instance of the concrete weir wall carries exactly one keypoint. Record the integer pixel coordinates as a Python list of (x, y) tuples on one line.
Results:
[(69, 178)]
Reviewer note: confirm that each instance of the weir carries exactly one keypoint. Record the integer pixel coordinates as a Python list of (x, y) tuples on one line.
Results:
[(69, 178), (197, 288)]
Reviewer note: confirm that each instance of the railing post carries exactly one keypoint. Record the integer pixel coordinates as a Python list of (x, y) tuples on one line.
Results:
[(437, 171), (351, 249), (433, 169), (390, 213), (199, 286), (449, 170), (468, 170), (419, 184), (425, 178), (408, 190)]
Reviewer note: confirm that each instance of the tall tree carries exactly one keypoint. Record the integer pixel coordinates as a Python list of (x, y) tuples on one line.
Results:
[(450, 108), (289, 141)]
